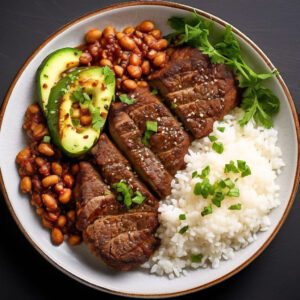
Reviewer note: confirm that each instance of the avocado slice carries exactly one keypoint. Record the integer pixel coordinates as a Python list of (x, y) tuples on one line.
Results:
[(51, 69), (91, 89)]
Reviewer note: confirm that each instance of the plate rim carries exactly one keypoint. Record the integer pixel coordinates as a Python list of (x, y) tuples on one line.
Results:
[(257, 50)]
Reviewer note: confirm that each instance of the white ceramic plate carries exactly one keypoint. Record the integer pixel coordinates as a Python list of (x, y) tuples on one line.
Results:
[(78, 262)]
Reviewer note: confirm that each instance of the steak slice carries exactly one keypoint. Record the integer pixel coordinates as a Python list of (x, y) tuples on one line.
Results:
[(196, 90), (170, 143), (123, 238), (129, 139), (114, 168)]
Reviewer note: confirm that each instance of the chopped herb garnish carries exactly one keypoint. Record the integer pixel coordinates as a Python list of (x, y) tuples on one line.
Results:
[(109, 75), (195, 174), (205, 172), (212, 138), (173, 105), (243, 168), (75, 122), (218, 198), (221, 129), (196, 258), (203, 188), (127, 195), (218, 147), (207, 210), (97, 121), (125, 99), (46, 139), (234, 192), (258, 102), (151, 127), (182, 217), (231, 167), (184, 229), (138, 198), (237, 206), (154, 92)]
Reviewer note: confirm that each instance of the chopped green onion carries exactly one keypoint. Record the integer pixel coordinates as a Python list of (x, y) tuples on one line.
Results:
[(196, 258), (182, 217), (231, 168), (195, 174), (218, 147), (205, 172), (218, 198), (237, 206), (212, 138), (184, 229), (46, 139), (243, 168), (221, 129), (138, 198), (207, 210), (234, 192)]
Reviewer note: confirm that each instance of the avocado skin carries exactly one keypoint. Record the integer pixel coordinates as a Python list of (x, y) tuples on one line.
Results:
[(55, 101), (46, 63)]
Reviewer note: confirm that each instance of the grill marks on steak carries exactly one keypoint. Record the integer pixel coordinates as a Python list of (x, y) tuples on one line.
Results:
[(198, 92), (114, 168), (170, 143), (123, 238), (129, 139)]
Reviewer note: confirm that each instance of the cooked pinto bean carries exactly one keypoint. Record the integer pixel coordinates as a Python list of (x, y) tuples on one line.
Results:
[(46, 149), (146, 26), (56, 168), (65, 196), (68, 180), (61, 221), (93, 35), (50, 180), (74, 239), (134, 71), (23, 155), (129, 84), (49, 202), (26, 185), (57, 236)]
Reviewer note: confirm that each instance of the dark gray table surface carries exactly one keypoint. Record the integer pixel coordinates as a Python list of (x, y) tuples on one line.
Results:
[(274, 25)]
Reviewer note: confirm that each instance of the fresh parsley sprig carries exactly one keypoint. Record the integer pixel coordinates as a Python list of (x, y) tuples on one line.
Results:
[(259, 102)]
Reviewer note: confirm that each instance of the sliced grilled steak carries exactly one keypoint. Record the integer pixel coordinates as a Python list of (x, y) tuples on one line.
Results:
[(171, 142), (123, 238), (197, 91), (129, 139), (114, 167)]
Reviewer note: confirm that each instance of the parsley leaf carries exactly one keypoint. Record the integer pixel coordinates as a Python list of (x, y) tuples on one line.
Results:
[(97, 121), (109, 75), (125, 99), (221, 129)]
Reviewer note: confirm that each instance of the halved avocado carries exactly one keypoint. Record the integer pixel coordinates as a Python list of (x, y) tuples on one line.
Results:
[(51, 69), (91, 89)]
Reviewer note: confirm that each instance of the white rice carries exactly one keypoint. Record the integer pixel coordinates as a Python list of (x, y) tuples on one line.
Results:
[(218, 235)]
